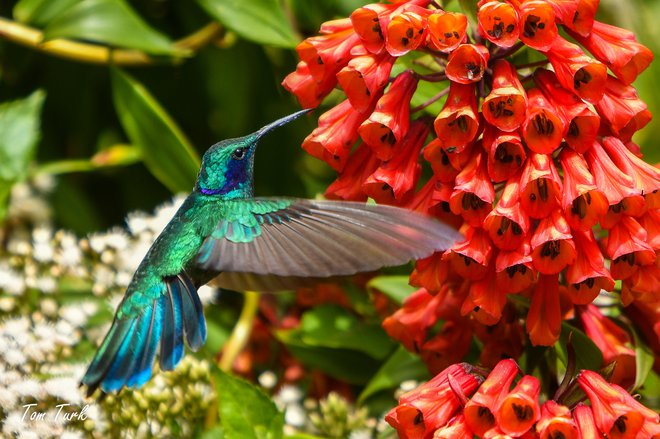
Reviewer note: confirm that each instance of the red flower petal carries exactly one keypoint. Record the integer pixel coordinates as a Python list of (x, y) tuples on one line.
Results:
[(542, 128), (467, 63), (541, 186), (458, 122), (446, 30), (506, 105), (498, 22)]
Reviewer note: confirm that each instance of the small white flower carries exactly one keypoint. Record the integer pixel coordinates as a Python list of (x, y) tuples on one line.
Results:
[(70, 434), (289, 394), (8, 397), (46, 284), (295, 415), (43, 252), (13, 424), (64, 388), (408, 385), (267, 380), (28, 387), (361, 434), (207, 294)]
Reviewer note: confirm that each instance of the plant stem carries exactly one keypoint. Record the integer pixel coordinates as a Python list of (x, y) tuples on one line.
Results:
[(430, 101), (241, 332), (97, 54)]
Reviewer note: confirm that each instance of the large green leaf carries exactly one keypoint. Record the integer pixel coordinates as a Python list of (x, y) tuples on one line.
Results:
[(19, 135), (165, 150), (587, 354), (348, 365), (245, 411), (644, 359), (111, 22), (332, 326), (41, 12), (262, 21), (401, 366)]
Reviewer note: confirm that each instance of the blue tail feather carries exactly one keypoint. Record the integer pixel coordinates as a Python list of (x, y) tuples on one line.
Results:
[(126, 356)]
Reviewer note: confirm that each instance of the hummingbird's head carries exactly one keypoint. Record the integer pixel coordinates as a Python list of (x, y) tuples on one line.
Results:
[(227, 167)]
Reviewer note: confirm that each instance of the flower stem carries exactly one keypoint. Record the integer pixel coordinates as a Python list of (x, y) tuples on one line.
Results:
[(241, 332), (96, 54), (510, 51), (530, 65), (430, 101)]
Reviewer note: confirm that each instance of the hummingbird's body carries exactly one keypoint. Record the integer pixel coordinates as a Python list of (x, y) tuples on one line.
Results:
[(251, 243)]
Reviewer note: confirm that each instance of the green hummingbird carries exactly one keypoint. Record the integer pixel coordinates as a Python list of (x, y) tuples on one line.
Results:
[(264, 244)]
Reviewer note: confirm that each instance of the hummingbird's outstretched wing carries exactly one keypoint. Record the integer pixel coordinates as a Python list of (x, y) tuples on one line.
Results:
[(126, 356), (290, 239)]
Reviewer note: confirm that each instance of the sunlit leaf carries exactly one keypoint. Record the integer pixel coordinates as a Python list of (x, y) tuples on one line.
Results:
[(41, 12), (588, 356), (644, 359), (261, 21), (396, 288), (112, 22), (332, 326), (165, 150), (245, 411), (399, 367), (19, 135)]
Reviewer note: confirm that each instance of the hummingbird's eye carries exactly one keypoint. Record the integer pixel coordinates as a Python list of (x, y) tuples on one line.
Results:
[(238, 153)]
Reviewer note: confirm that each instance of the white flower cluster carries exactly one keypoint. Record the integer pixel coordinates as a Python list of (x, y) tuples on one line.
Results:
[(46, 276)]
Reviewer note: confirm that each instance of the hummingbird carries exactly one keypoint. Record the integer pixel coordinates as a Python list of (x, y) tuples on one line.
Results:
[(223, 232)]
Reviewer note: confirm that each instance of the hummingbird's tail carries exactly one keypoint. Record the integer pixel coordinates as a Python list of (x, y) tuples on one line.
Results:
[(127, 353)]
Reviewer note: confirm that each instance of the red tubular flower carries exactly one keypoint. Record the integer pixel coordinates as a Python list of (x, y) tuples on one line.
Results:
[(580, 123), (410, 323), (507, 225), (644, 284), (519, 410), (307, 90), (367, 24), (484, 304), (335, 135), (577, 15), (458, 122), (552, 244), (436, 155), (473, 194), (628, 248), (612, 341), (576, 71), (446, 30), (542, 128), (479, 409), (541, 186), (506, 104), (428, 407), (618, 187), (616, 412), (406, 31), (650, 221), (544, 317), (618, 49), (430, 273), (467, 63), (587, 275), (514, 269), (583, 202), (389, 123), (622, 109), (538, 26), (348, 186), (502, 340), (556, 422), (326, 54), (506, 153), (585, 422), (645, 176), (448, 346), (470, 258), (364, 78), (498, 22), (396, 178), (456, 428)]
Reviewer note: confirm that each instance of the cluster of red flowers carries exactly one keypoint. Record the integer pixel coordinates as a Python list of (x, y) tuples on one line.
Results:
[(441, 409), (542, 179)]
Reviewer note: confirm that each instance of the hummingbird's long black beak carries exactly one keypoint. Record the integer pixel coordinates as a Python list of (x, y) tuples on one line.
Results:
[(283, 121)]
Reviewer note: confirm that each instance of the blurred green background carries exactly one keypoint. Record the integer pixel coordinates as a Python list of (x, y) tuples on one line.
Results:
[(228, 87)]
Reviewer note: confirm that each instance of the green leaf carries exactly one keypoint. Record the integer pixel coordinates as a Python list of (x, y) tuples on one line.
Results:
[(245, 411), (332, 326), (41, 12), (216, 432), (644, 359), (19, 136), (401, 366), (261, 21), (588, 356), (112, 22), (352, 366), (165, 150), (396, 288)]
